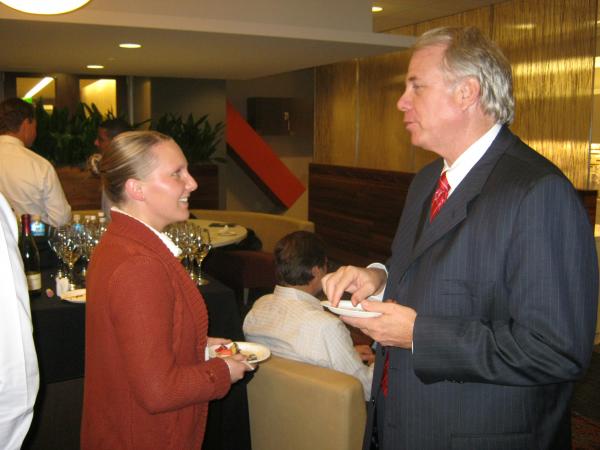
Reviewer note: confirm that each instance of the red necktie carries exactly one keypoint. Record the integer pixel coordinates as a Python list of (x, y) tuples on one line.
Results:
[(384, 377), (439, 197)]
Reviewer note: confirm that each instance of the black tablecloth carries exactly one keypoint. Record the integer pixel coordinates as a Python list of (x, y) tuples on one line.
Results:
[(59, 334)]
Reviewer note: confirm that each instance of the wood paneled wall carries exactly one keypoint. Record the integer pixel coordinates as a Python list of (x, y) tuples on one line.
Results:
[(551, 44), (356, 211)]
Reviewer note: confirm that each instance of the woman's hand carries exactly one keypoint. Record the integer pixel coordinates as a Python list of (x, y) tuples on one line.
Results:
[(237, 367)]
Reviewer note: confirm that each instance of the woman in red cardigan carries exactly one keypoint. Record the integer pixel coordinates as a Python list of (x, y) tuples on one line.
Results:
[(147, 383)]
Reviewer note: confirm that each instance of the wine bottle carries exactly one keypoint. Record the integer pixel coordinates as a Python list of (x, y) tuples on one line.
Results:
[(31, 257), (38, 228)]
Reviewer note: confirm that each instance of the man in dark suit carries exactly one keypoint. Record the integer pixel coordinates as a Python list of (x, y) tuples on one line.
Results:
[(491, 289)]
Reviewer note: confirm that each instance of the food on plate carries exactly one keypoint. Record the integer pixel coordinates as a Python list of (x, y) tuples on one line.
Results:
[(227, 350), (250, 357)]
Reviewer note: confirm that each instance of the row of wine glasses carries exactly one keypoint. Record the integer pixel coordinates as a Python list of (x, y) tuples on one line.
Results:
[(194, 242), (72, 242)]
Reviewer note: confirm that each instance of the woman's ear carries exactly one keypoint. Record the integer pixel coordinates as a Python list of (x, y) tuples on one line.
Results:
[(134, 189)]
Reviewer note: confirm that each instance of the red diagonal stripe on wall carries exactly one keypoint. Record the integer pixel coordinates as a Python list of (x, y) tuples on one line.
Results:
[(261, 159)]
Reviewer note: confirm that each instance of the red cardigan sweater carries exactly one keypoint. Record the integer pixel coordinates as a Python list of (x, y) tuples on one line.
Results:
[(147, 385)]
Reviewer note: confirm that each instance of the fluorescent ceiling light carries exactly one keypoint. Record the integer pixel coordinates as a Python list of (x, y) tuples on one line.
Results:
[(38, 87), (45, 6), (95, 66), (130, 45), (376, 9)]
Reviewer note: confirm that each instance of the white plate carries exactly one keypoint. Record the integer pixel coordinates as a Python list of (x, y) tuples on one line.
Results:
[(246, 348), (76, 296), (346, 308)]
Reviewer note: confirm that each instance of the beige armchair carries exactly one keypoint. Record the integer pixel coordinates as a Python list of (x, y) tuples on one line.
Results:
[(297, 406)]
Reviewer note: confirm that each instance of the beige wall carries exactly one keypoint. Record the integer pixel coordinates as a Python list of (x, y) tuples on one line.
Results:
[(551, 46)]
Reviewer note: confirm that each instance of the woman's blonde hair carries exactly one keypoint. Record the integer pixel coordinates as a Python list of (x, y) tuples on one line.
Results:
[(129, 156)]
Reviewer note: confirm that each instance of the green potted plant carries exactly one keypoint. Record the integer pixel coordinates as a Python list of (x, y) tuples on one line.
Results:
[(67, 139), (198, 139)]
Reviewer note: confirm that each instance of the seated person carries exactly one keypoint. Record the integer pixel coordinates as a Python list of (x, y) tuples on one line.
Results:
[(292, 322)]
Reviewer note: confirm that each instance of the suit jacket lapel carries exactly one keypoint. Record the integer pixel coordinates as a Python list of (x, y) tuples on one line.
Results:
[(455, 209)]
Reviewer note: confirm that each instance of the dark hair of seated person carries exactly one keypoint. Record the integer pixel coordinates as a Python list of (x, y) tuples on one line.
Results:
[(295, 256)]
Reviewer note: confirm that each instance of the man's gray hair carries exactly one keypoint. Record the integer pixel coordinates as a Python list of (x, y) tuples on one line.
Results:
[(471, 54)]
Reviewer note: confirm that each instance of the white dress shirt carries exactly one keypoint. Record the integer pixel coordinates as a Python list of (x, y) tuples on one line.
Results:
[(457, 172), (19, 378), (30, 184), (293, 324)]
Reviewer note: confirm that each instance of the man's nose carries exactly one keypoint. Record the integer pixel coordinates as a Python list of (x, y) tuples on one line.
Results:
[(403, 103)]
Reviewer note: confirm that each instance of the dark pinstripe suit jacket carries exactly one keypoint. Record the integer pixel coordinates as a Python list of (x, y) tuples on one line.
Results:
[(505, 285)]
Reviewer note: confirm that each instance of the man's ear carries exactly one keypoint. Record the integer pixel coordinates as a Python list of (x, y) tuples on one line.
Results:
[(134, 189), (318, 272), (468, 91), (315, 271)]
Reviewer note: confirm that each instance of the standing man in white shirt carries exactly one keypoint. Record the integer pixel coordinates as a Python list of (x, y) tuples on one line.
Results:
[(19, 377), (292, 322), (27, 180)]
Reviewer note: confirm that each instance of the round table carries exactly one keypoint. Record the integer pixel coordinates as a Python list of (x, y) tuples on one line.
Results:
[(221, 233)]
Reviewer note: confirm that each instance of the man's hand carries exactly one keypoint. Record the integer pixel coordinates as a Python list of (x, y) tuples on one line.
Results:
[(359, 281), (394, 327)]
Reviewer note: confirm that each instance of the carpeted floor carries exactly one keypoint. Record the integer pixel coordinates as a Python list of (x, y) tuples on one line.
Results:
[(586, 408)]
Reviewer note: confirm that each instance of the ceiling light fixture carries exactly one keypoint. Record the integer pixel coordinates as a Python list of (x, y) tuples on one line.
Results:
[(44, 6), (130, 45), (376, 9), (38, 87), (95, 66)]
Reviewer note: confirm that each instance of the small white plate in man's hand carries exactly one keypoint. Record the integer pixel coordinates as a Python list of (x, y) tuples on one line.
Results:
[(346, 308)]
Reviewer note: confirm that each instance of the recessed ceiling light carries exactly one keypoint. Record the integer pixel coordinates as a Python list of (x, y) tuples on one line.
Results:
[(44, 6), (130, 45), (376, 9), (95, 66)]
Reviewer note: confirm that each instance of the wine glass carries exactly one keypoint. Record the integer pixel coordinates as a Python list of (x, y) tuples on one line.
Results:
[(55, 243), (203, 246), (71, 252)]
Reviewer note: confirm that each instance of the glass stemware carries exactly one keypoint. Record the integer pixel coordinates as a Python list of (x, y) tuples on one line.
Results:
[(194, 242), (71, 252), (55, 243), (203, 246)]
